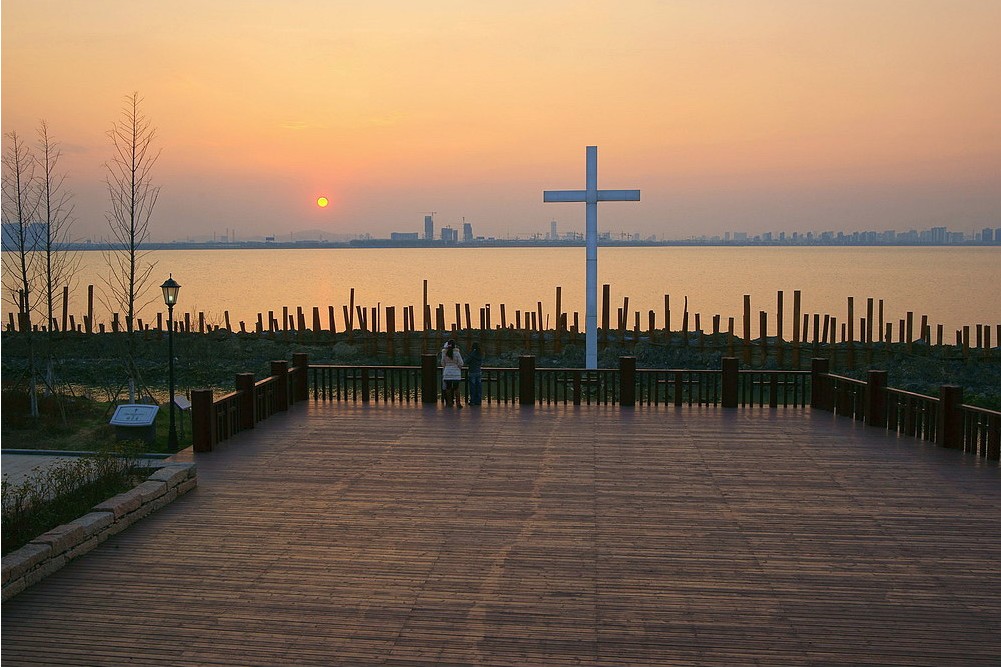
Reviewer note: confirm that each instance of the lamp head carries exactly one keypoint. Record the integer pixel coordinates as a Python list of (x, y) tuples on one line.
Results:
[(170, 289)]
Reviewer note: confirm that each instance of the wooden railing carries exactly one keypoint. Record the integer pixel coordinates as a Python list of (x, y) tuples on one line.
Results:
[(912, 414), (214, 420), (387, 384), (943, 420), (982, 432), (774, 388), (527, 385)]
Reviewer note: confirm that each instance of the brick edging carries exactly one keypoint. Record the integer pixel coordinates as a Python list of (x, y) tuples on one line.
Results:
[(51, 551)]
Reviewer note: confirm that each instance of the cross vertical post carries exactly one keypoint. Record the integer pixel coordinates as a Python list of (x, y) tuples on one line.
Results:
[(591, 195)]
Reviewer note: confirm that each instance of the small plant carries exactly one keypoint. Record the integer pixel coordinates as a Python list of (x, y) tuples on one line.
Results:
[(66, 491)]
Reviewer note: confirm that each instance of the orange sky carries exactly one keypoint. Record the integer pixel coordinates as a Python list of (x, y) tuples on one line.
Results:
[(729, 116)]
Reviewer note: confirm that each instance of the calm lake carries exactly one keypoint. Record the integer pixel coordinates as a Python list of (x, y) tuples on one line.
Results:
[(952, 286)]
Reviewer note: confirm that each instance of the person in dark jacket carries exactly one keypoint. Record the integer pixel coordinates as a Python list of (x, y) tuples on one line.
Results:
[(474, 374)]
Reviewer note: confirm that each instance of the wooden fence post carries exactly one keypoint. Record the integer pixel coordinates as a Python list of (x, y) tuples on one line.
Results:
[(526, 379), (747, 329), (627, 387), (245, 385), (89, 320), (731, 375), (875, 399), (950, 416), (429, 379), (202, 420), (280, 369), (820, 398)]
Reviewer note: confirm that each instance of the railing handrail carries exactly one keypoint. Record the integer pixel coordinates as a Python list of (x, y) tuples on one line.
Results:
[(365, 366), (911, 394), (844, 378), (979, 410)]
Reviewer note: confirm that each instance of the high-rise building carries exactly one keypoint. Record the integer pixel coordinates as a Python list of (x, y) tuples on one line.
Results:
[(987, 236), (449, 235), (429, 228), (467, 232), (552, 231)]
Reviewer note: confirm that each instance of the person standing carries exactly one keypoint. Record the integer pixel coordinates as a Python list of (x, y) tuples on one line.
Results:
[(474, 374), (451, 373)]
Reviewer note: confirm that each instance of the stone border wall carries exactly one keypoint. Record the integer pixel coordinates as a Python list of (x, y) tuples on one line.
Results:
[(49, 552)]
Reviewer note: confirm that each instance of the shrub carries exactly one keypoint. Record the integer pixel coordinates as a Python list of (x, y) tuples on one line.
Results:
[(66, 491)]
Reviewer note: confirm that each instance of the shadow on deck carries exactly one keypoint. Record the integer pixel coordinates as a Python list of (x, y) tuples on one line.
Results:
[(393, 535)]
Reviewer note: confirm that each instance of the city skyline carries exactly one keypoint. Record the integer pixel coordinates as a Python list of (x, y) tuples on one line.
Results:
[(430, 235), (771, 116)]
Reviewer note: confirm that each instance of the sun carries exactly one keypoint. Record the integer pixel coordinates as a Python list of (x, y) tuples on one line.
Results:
[(322, 202)]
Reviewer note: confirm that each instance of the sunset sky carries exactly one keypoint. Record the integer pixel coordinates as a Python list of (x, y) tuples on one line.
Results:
[(747, 116)]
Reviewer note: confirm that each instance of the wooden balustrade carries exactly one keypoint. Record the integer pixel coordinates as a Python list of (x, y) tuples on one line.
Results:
[(943, 420), (214, 420)]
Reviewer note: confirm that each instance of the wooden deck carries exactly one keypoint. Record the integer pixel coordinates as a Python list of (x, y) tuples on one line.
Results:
[(393, 535)]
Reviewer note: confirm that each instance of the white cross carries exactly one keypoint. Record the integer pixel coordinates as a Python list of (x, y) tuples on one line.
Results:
[(591, 196)]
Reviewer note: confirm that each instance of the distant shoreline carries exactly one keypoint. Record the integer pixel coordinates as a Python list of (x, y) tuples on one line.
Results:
[(509, 243)]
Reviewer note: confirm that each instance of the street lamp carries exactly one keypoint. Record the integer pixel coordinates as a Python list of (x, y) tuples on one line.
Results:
[(170, 289)]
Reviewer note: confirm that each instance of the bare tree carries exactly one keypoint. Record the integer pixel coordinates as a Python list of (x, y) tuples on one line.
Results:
[(20, 203), (60, 263), (132, 197)]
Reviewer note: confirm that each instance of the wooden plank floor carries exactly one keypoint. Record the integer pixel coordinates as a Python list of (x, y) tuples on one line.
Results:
[(389, 535)]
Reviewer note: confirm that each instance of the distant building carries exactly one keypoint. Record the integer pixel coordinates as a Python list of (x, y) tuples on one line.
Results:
[(553, 236), (404, 236), (467, 232), (429, 228), (449, 235)]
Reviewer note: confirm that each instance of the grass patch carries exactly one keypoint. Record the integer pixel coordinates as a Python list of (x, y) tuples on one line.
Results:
[(76, 423), (66, 491), (65, 423)]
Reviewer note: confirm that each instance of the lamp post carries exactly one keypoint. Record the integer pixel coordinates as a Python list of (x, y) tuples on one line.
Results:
[(170, 289)]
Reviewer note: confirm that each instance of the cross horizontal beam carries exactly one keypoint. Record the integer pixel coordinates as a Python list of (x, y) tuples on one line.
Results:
[(581, 195)]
